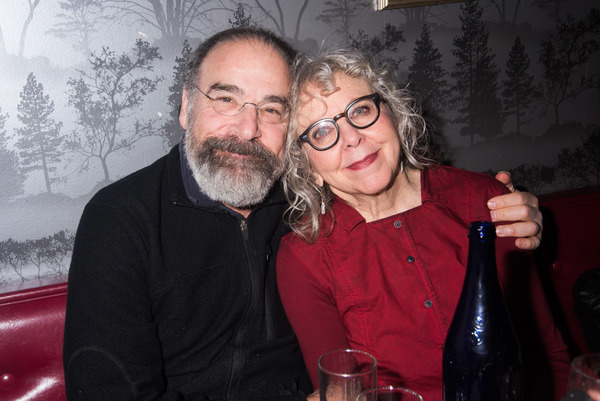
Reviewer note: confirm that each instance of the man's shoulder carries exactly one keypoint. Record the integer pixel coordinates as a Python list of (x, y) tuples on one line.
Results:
[(138, 184)]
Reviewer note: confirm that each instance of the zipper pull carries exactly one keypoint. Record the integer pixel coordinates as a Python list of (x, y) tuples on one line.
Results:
[(244, 228)]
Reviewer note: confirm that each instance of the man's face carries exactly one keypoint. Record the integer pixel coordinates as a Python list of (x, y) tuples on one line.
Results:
[(236, 159)]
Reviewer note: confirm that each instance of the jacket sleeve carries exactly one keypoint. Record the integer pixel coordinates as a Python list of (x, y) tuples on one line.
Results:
[(111, 347), (309, 302)]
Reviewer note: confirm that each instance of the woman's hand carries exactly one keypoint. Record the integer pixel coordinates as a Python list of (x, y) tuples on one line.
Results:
[(314, 396), (521, 207)]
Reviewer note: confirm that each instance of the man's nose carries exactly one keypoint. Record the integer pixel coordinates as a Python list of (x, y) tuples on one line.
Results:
[(248, 121)]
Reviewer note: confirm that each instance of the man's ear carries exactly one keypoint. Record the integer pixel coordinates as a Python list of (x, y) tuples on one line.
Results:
[(183, 110)]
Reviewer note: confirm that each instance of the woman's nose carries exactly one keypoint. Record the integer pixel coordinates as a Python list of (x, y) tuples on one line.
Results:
[(350, 136)]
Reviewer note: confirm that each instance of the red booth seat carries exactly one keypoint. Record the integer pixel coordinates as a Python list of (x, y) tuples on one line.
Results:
[(32, 317), (570, 246)]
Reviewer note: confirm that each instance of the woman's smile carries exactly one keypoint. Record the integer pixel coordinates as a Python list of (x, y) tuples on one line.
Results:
[(364, 163)]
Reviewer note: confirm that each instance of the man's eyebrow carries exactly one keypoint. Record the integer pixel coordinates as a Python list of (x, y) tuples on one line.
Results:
[(276, 99), (240, 92), (226, 88)]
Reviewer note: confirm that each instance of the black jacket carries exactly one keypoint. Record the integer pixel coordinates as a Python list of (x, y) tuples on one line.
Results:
[(174, 300)]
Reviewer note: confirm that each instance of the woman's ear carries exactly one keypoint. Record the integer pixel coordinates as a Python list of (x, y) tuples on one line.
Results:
[(183, 110), (318, 179)]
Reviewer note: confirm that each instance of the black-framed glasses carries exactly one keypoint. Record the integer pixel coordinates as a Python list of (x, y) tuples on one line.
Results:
[(230, 104), (360, 113)]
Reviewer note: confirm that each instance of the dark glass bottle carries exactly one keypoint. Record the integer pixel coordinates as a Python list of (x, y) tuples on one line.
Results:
[(481, 358)]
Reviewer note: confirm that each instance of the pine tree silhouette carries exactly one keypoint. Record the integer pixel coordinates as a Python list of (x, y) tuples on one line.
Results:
[(40, 138), (519, 91), (476, 77)]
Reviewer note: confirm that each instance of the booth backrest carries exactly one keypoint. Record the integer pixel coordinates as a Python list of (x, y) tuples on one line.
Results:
[(570, 246), (31, 336)]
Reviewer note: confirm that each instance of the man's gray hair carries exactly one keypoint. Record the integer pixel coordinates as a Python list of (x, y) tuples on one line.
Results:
[(259, 35)]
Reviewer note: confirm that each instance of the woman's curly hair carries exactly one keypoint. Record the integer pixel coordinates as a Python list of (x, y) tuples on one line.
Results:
[(303, 193)]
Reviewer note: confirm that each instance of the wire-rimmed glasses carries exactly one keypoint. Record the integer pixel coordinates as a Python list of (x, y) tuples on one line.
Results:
[(360, 113), (229, 104)]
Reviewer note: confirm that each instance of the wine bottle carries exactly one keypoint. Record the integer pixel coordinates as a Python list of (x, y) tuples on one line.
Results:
[(481, 357)]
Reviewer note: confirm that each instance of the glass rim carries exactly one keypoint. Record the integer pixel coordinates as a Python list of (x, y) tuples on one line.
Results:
[(390, 387), (371, 368), (578, 364)]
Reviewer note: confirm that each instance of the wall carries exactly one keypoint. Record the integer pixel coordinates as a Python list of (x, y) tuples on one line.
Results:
[(61, 138)]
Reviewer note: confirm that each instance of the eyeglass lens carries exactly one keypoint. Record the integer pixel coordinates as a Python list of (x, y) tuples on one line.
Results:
[(228, 104), (360, 114)]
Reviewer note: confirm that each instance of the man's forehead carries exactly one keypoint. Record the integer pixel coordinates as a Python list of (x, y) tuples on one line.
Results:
[(245, 67)]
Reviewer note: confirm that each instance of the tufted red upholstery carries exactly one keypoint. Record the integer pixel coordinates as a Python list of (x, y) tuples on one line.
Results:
[(31, 336), (570, 246)]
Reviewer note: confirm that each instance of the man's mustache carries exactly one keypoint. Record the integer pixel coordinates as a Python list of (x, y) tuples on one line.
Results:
[(234, 145)]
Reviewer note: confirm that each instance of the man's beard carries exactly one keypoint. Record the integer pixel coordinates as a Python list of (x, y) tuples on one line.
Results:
[(224, 176)]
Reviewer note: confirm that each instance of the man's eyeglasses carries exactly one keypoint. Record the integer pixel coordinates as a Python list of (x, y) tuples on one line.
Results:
[(360, 113), (229, 104)]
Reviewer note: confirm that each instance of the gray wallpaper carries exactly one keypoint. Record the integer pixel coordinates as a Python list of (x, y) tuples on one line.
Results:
[(90, 91)]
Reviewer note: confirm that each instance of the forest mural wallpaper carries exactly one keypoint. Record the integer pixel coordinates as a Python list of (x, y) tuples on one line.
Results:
[(90, 92)]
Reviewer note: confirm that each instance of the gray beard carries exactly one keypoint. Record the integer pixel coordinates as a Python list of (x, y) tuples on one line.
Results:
[(237, 182)]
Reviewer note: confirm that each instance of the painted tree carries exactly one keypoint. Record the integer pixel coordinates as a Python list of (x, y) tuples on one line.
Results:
[(476, 77), (427, 78), (382, 47), (341, 15), (240, 20), (552, 8), (40, 139), (176, 20), (105, 100), (2, 45), (564, 57), (11, 179), (78, 22), (580, 166), (533, 177), (32, 7), (171, 129), (519, 91), (508, 10), (279, 20)]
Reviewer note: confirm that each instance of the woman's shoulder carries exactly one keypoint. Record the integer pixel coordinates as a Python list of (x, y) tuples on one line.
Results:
[(465, 180)]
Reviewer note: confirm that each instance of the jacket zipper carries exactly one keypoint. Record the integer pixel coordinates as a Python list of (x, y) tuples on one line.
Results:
[(237, 362)]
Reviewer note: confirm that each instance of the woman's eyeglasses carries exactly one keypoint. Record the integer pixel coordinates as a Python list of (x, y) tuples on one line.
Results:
[(360, 113)]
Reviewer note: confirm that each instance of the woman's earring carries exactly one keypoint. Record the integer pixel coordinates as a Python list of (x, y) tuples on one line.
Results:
[(401, 167), (322, 205)]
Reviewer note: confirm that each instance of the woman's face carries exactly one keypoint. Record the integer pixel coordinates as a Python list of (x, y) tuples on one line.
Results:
[(364, 161)]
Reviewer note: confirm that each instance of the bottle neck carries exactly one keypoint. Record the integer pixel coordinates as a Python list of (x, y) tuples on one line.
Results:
[(481, 267)]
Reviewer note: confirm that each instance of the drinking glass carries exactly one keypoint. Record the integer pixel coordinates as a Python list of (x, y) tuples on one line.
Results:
[(389, 393), (344, 374), (584, 379)]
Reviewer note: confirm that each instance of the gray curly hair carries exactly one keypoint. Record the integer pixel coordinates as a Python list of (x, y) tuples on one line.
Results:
[(302, 192)]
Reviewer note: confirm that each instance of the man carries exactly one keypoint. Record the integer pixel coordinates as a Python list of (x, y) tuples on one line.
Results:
[(172, 293)]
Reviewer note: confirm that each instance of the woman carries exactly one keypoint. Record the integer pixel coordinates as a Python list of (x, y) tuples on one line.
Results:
[(378, 251)]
